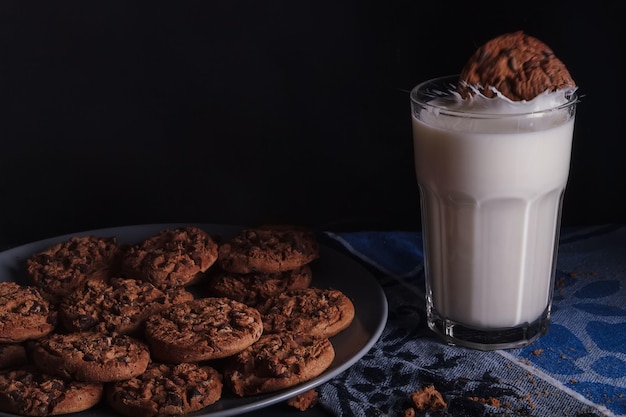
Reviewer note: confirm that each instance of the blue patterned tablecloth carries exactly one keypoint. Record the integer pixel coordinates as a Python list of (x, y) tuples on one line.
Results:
[(577, 369)]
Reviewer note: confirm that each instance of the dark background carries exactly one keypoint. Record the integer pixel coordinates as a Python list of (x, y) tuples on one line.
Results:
[(241, 112)]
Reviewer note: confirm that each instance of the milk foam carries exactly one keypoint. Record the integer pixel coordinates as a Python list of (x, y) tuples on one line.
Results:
[(453, 112), (501, 104)]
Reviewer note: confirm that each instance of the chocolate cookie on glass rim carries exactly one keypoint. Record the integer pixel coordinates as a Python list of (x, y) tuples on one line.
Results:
[(517, 65)]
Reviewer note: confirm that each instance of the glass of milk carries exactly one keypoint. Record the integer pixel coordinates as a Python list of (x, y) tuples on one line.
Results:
[(491, 174)]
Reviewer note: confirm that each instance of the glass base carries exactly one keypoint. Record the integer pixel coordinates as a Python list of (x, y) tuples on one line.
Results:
[(455, 333)]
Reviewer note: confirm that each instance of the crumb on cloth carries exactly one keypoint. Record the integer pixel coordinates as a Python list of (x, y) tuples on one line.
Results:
[(494, 402), (427, 398), (304, 401)]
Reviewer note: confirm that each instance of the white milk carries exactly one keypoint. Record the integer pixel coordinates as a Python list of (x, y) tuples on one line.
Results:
[(492, 192)]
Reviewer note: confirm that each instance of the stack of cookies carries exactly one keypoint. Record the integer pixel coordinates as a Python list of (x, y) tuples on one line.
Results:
[(168, 325)]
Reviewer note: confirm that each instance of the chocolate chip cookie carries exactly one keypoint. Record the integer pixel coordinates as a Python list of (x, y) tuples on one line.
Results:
[(277, 361), (312, 311), (203, 329), (67, 265), (268, 249), (120, 306), (171, 258), (256, 288), (30, 392), (515, 64), (166, 390), (24, 313), (91, 356)]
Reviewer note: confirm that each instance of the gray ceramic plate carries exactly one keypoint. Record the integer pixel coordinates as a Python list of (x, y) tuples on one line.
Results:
[(332, 269)]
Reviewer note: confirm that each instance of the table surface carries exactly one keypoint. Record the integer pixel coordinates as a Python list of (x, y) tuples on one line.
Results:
[(577, 369)]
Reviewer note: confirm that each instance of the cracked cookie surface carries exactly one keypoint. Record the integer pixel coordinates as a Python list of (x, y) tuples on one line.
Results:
[(91, 356), (256, 289), (268, 249), (166, 390), (24, 313), (173, 257), (68, 264), (120, 306), (312, 311), (277, 361), (30, 392), (203, 329)]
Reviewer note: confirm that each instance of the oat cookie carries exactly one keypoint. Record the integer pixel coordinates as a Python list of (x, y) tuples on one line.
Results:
[(24, 313), (166, 390), (203, 329), (29, 392), (518, 65), (91, 356), (12, 355), (120, 306), (268, 249), (312, 311), (277, 361), (172, 257), (67, 265), (256, 288)]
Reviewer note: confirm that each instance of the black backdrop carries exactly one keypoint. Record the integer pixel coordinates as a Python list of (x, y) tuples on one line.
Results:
[(241, 112)]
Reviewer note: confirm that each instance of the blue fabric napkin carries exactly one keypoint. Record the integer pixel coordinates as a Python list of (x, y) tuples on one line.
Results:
[(577, 369)]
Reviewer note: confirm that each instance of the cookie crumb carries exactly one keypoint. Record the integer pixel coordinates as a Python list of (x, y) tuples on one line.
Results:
[(304, 401), (494, 402), (409, 412), (427, 398)]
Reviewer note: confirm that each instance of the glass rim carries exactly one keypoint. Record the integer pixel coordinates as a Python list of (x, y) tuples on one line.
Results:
[(572, 99)]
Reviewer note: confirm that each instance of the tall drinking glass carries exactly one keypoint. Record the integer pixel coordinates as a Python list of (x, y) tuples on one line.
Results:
[(491, 187)]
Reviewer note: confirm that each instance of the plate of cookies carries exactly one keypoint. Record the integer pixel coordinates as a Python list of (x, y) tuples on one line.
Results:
[(179, 319)]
